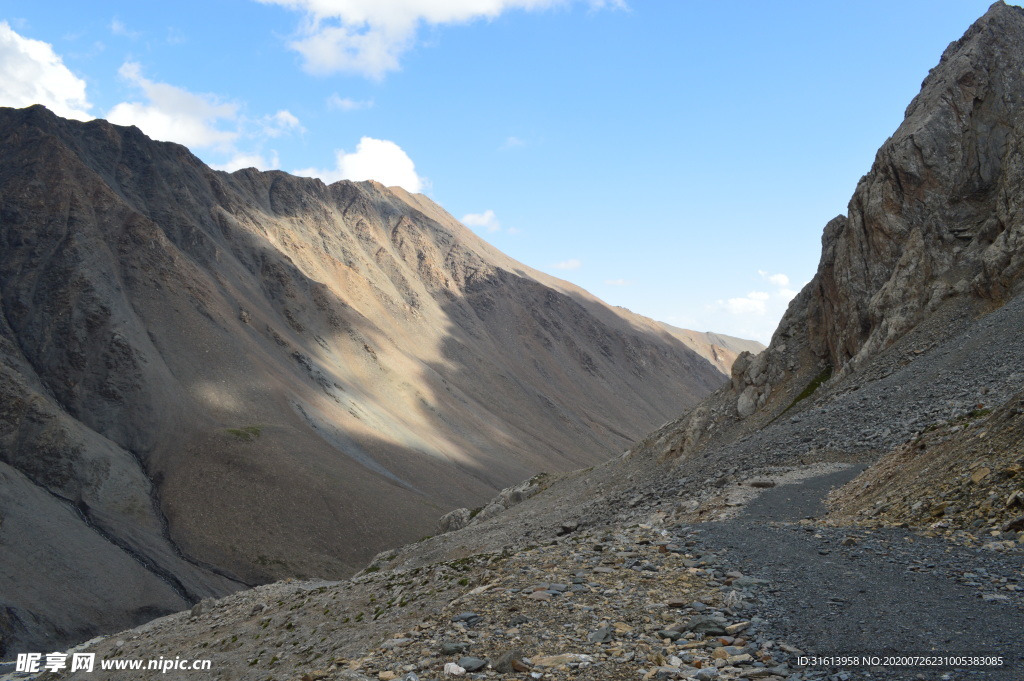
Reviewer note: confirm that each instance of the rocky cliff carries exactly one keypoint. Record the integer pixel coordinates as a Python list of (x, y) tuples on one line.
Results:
[(211, 380), (935, 225)]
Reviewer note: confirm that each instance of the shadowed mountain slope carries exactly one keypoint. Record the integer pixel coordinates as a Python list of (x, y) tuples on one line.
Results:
[(212, 379)]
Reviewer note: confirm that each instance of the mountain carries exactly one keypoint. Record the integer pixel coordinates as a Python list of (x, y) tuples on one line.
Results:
[(933, 237), (213, 380), (903, 355)]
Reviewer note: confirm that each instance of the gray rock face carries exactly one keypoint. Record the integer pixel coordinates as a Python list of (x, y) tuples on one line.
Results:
[(937, 222), (454, 520)]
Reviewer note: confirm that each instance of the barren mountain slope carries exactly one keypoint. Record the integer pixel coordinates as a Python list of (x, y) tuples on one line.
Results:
[(213, 379)]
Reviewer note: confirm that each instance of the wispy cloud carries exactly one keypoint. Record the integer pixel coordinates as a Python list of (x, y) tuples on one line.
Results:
[(570, 264), (512, 142), (118, 27), (335, 101), (202, 122), (370, 38), (174, 114), (175, 36), (486, 220), (281, 123), (758, 312)]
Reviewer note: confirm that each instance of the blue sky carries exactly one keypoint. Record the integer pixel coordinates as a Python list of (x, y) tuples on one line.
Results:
[(679, 158)]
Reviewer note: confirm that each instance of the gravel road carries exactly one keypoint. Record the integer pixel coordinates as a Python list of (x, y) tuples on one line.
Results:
[(853, 591)]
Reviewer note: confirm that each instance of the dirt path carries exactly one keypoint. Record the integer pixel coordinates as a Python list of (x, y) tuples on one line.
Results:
[(844, 591)]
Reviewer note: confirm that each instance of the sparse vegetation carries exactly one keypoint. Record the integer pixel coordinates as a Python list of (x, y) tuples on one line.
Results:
[(810, 389), (246, 434)]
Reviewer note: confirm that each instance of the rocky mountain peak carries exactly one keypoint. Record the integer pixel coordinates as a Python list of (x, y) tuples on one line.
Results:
[(935, 223)]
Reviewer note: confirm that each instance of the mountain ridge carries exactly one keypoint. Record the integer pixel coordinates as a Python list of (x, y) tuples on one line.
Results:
[(212, 380), (905, 346)]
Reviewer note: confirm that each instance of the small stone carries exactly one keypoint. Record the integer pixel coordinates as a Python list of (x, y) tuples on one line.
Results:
[(736, 628), (559, 660), (387, 676), (449, 648), (539, 596), (315, 675), (602, 635), (393, 643), (979, 475), (1015, 525), (506, 662), (472, 664), (452, 669), (702, 624), (849, 541)]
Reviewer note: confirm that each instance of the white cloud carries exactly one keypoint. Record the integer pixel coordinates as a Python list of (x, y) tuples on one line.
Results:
[(616, 282), (570, 264), (335, 101), (202, 122), (281, 123), (487, 220), (756, 314), (778, 279), (32, 73), (373, 159), (370, 36), (753, 303), (244, 160), (173, 114)]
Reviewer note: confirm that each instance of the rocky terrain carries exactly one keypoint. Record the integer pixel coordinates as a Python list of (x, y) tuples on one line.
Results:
[(210, 380), (707, 550)]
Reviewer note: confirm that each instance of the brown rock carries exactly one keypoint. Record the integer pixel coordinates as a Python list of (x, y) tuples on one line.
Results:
[(1015, 525)]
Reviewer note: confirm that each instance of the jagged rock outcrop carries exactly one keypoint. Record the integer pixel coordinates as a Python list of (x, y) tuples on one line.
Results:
[(936, 221), (508, 497), (211, 380)]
